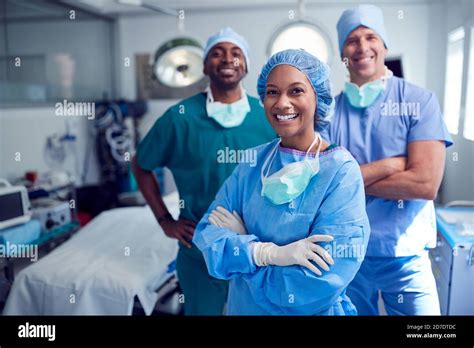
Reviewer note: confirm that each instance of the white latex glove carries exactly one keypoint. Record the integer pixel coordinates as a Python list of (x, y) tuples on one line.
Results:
[(300, 252), (221, 217)]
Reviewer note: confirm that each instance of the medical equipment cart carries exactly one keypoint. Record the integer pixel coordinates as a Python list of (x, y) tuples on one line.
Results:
[(453, 260)]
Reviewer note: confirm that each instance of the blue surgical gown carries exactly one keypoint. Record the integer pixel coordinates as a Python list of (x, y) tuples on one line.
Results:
[(401, 114), (333, 204)]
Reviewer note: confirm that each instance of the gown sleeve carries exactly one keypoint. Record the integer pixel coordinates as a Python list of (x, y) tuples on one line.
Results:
[(227, 253), (429, 123)]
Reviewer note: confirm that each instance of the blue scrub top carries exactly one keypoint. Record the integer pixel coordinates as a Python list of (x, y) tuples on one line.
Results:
[(401, 114), (333, 203)]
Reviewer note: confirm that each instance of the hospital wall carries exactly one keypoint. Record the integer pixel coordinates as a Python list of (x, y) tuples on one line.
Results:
[(30, 128), (24, 129), (458, 182)]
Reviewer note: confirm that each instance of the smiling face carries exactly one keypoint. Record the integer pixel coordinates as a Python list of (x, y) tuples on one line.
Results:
[(290, 104), (365, 53), (225, 65)]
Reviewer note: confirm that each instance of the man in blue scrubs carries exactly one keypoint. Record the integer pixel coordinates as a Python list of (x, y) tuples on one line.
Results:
[(395, 130)]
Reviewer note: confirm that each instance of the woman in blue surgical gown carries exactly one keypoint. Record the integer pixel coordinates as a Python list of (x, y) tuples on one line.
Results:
[(289, 228)]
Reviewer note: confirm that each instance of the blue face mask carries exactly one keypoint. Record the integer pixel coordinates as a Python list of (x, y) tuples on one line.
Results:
[(289, 182), (365, 95), (227, 115)]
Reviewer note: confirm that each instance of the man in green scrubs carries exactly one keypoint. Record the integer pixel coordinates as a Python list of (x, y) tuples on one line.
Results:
[(201, 140)]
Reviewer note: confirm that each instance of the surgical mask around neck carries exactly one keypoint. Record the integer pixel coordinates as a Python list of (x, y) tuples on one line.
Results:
[(227, 115), (365, 95), (290, 181)]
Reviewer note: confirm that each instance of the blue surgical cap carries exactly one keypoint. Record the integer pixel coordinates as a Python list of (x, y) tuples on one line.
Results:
[(317, 73), (228, 35), (369, 16)]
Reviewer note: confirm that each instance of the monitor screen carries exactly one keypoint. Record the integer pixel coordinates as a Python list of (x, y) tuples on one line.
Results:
[(10, 206)]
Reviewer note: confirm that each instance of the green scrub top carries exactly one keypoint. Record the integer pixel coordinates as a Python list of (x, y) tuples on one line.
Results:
[(201, 153)]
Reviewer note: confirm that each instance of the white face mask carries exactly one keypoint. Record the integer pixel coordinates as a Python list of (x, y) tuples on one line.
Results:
[(365, 95), (227, 115), (289, 182)]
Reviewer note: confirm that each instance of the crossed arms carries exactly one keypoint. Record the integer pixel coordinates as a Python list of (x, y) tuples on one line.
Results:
[(417, 176)]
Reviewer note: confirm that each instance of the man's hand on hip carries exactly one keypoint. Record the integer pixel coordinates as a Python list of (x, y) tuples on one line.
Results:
[(182, 230)]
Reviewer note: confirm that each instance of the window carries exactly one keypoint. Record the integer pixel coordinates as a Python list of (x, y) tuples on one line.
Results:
[(45, 56), (453, 86), (468, 132), (302, 34)]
